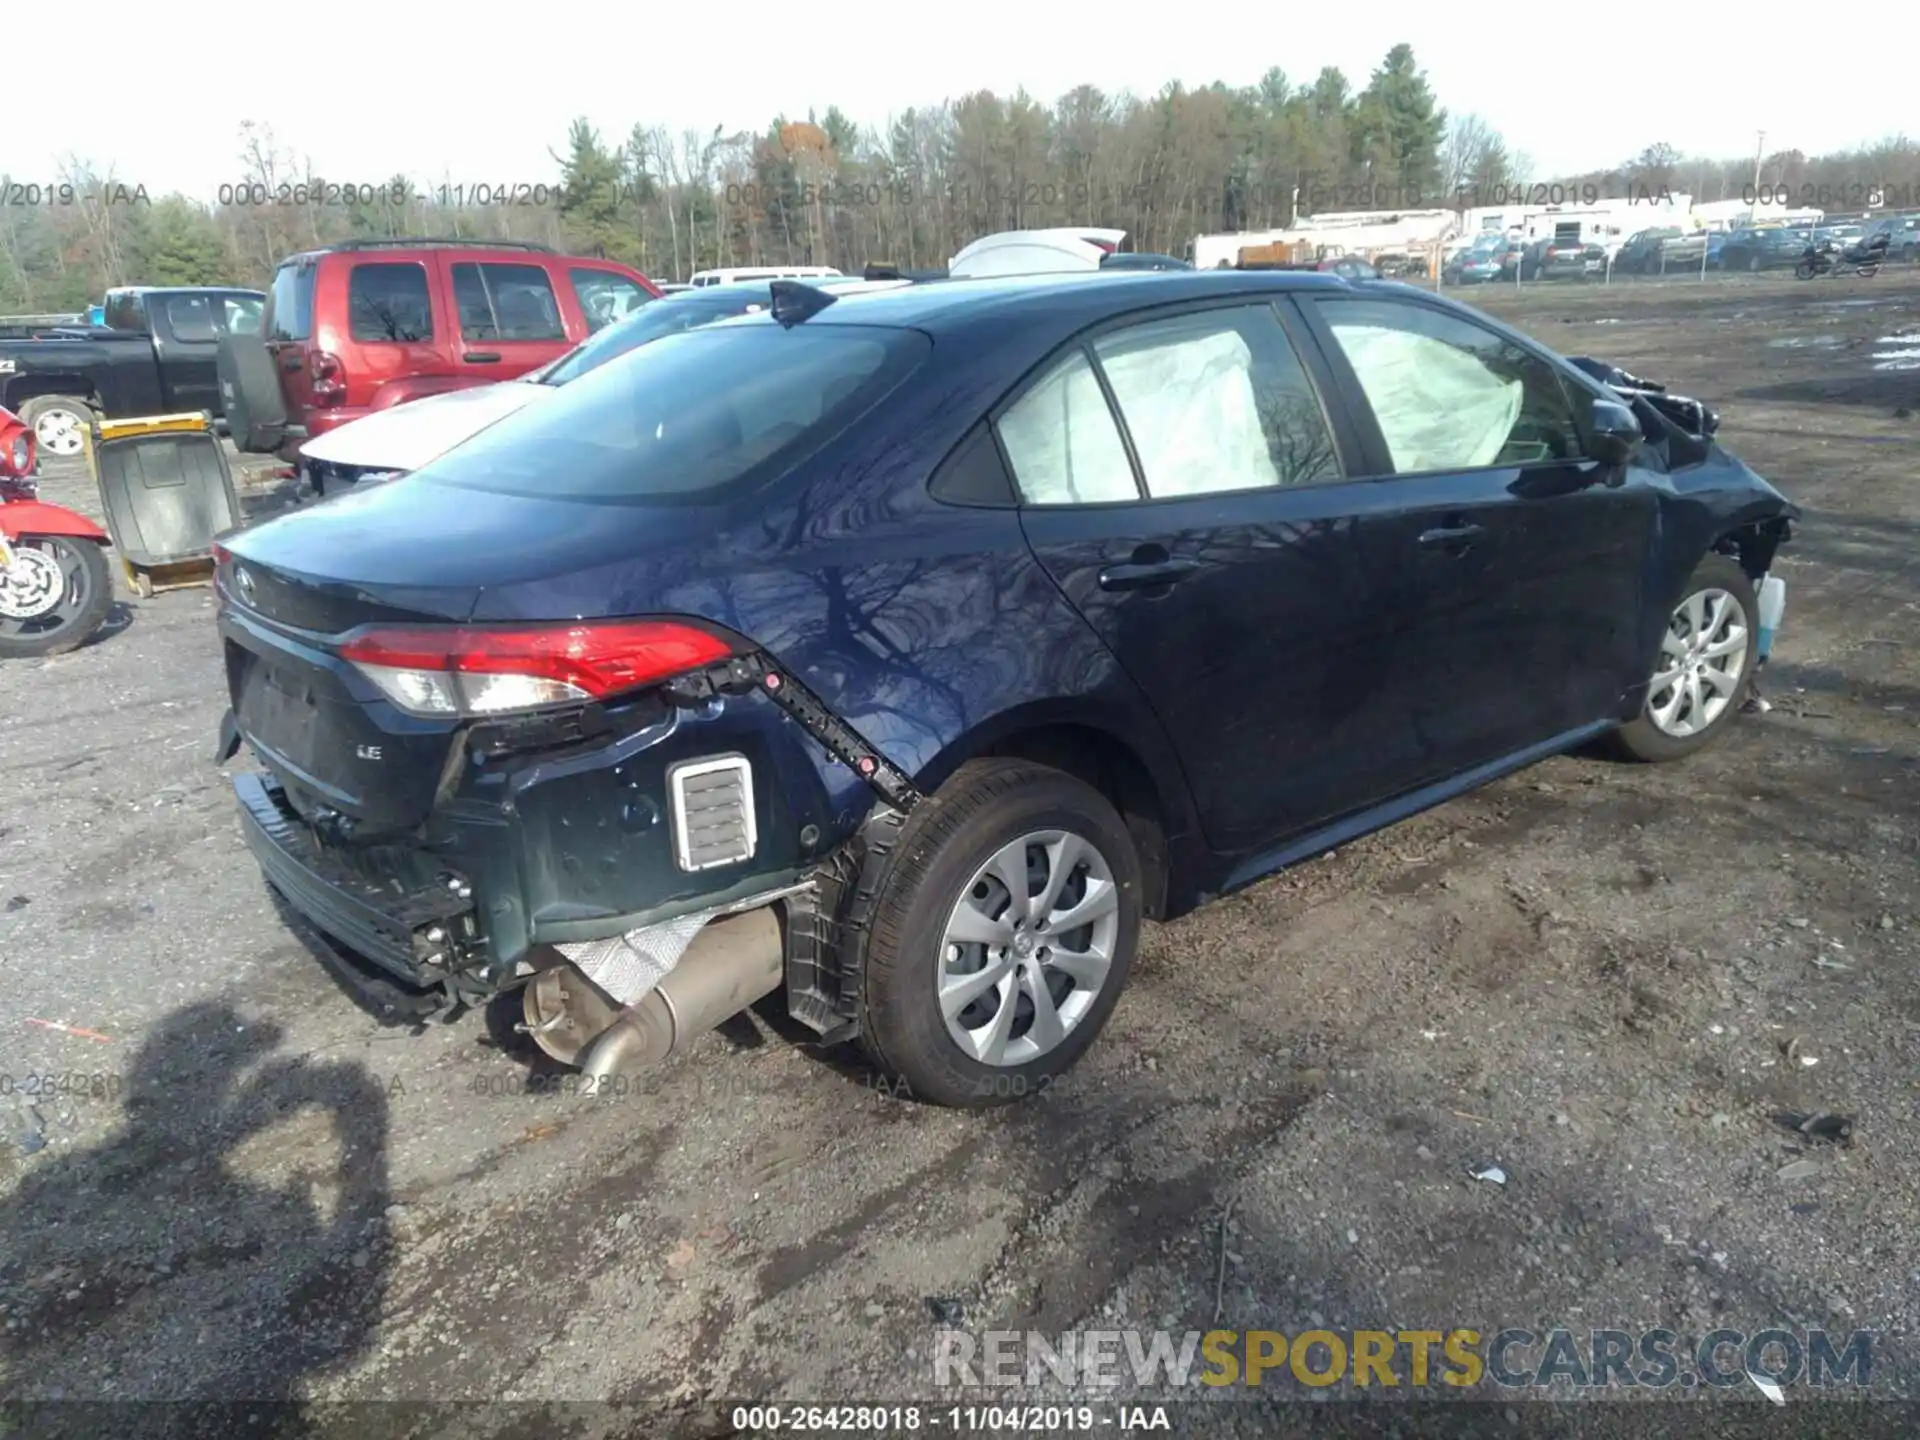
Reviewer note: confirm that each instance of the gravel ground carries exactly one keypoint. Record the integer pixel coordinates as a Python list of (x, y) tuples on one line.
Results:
[(1608, 980)]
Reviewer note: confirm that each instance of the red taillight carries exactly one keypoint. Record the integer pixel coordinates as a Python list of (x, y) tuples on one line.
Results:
[(470, 670), (329, 381)]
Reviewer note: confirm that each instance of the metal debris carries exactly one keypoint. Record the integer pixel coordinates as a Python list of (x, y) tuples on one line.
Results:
[(1821, 1125), (1492, 1173), (1767, 1388)]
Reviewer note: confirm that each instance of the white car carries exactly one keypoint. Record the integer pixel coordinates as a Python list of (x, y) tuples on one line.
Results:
[(1035, 252), (390, 443)]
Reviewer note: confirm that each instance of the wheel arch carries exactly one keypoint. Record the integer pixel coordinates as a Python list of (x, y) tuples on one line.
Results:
[(1753, 540), (1118, 761), (26, 388)]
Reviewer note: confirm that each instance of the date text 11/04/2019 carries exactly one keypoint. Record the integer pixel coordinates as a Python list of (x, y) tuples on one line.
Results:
[(954, 1419)]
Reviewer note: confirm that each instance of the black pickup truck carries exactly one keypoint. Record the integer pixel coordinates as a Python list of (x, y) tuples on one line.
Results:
[(155, 355)]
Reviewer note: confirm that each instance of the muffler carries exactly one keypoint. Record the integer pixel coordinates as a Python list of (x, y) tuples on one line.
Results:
[(733, 961)]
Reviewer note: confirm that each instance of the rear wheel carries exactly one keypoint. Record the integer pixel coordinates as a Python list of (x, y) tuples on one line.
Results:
[(1706, 658), (60, 423), (1869, 271), (1004, 929), (1803, 271), (53, 596)]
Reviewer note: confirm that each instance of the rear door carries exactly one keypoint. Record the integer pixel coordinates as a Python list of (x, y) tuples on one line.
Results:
[(394, 331), (508, 317), (1523, 556), (1185, 485)]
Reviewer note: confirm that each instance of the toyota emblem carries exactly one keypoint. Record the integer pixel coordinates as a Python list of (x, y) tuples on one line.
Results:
[(244, 579)]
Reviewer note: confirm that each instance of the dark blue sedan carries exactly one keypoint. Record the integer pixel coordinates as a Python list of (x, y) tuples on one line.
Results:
[(900, 652)]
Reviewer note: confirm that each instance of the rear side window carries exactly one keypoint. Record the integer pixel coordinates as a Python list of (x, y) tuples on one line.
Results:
[(1062, 443), (1449, 394), (604, 296), (1217, 401), (191, 317), (388, 301), (290, 303), (689, 414), (506, 302), (126, 311)]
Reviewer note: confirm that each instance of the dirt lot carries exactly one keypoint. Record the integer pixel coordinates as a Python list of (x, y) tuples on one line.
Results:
[(1606, 979)]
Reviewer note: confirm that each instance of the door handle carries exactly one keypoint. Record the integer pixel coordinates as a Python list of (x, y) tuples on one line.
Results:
[(1146, 575), (1451, 537), (482, 357)]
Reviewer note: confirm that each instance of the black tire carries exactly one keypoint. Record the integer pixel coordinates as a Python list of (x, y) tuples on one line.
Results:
[(986, 805), (1643, 739), (1867, 272), (41, 406), (78, 621), (1804, 270)]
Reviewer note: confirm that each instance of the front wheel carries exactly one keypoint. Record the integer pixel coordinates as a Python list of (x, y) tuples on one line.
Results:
[(1003, 930), (1706, 658), (53, 595)]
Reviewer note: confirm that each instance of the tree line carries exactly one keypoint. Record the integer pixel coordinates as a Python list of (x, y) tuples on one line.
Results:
[(827, 191)]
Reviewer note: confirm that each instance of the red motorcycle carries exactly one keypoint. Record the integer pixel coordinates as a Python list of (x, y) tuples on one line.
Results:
[(55, 586)]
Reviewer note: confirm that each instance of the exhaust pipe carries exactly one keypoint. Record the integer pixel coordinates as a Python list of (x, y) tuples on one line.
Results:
[(733, 961)]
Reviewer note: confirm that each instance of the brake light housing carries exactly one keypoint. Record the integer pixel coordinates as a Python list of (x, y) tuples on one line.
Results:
[(469, 671), (328, 379)]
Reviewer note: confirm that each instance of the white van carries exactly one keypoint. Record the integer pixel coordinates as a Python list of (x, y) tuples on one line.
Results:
[(734, 274)]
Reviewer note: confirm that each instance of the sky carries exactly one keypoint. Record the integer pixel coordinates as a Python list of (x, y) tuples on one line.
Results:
[(482, 94)]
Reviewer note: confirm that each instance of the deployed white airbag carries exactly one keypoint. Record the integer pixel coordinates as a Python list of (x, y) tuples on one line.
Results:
[(1193, 415), (1438, 406)]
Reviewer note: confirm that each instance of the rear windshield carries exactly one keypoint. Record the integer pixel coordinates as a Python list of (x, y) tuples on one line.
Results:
[(688, 414), (664, 317)]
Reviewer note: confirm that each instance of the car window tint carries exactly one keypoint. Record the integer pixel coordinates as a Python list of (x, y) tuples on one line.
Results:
[(243, 314), (1448, 394), (506, 302), (1217, 401), (191, 317), (289, 313), (387, 300), (1062, 443), (688, 414), (605, 297)]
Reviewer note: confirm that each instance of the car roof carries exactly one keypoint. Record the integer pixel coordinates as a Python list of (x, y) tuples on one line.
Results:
[(184, 290), (1075, 298)]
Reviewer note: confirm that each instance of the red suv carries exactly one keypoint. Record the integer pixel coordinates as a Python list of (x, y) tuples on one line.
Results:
[(367, 324)]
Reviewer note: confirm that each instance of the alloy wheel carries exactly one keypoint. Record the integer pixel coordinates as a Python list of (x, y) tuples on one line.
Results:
[(1703, 658), (1028, 947)]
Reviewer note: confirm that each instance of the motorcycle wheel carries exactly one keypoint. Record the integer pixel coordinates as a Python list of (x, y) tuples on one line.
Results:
[(53, 596), (1867, 272), (1804, 270)]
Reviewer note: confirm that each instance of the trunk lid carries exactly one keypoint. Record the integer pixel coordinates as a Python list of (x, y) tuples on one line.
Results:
[(292, 589)]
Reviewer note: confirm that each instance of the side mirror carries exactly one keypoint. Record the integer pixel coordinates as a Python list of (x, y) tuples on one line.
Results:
[(1616, 431)]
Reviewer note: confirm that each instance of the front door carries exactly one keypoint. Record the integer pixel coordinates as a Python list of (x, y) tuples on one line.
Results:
[(1525, 556), (509, 318), (1186, 488)]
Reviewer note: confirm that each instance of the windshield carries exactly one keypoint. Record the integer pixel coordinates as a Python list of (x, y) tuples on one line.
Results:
[(687, 414), (668, 315)]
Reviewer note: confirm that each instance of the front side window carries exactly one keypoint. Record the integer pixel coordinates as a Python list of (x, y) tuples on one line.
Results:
[(1448, 394)]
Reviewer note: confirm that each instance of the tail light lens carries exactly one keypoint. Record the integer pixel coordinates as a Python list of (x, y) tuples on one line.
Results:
[(329, 381), (458, 670)]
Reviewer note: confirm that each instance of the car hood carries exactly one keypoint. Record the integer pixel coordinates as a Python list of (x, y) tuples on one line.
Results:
[(410, 435)]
